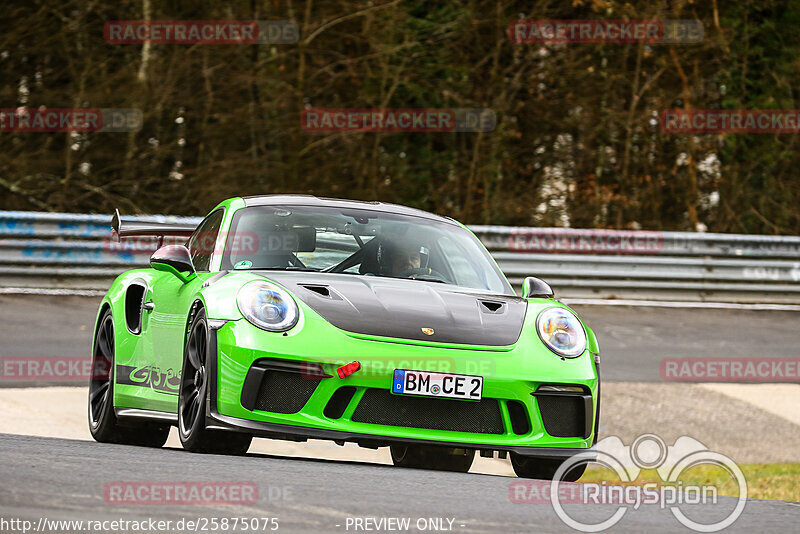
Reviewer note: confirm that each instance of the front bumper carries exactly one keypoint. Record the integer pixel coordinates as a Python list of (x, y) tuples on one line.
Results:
[(510, 378)]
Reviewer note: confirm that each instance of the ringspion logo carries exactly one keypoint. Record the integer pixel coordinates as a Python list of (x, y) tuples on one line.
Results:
[(201, 32), (626, 462)]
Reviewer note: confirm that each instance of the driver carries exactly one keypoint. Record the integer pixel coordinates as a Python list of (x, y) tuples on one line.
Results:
[(401, 256), (404, 257)]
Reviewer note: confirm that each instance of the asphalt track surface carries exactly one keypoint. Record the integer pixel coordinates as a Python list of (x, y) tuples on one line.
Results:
[(65, 479), (633, 340)]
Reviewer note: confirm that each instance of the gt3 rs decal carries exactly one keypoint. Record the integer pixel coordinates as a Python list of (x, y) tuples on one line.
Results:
[(149, 376)]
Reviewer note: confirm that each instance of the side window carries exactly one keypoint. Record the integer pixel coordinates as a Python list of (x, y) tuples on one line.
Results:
[(203, 241)]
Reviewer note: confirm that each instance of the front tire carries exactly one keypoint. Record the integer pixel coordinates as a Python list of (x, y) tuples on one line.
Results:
[(103, 422), (192, 399), (430, 457), (543, 469)]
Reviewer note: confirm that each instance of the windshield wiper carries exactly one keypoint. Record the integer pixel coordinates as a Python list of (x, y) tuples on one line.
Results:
[(289, 268), (437, 280), (419, 277)]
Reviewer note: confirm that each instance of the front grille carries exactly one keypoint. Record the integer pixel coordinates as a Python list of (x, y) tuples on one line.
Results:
[(379, 406), (284, 392), (564, 416)]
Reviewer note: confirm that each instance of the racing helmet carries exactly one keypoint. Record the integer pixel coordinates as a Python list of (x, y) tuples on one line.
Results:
[(389, 246)]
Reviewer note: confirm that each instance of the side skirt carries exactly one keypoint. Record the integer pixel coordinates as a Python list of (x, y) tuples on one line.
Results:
[(150, 415)]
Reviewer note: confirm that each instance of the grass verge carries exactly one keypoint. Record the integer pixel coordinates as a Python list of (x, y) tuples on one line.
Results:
[(764, 481)]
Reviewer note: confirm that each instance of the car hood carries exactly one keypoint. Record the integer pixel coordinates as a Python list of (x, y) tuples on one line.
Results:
[(408, 309)]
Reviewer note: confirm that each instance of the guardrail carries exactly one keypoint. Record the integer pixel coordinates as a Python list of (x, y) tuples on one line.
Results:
[(62, 250)]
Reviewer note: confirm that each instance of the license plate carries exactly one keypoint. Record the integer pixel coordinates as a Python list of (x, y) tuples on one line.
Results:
[(445, 385)]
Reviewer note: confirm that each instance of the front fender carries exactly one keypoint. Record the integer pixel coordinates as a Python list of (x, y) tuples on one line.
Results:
[(218, 294)]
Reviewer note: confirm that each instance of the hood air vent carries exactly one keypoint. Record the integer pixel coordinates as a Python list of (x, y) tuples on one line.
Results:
[(319, 290), (492, 306)]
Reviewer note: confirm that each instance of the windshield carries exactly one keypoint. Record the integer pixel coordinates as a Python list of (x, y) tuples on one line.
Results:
[(360, 242)]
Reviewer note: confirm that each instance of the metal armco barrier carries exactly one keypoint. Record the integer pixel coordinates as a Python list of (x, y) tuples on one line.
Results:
[(62, 250)]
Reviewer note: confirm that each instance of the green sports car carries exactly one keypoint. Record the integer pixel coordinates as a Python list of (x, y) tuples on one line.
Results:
[(297, 317)]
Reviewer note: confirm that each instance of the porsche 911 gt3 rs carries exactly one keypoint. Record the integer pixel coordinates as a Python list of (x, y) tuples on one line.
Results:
[(297, 317)]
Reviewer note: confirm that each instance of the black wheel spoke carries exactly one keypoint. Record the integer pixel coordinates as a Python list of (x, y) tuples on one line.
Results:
[(103, 345), (191, 399), (101, 368), (194, 352), (191, 379), (187, 388), (98, 401), (100, 390), (189, 412), (109, 337), (201, 352), (100, 384), (193, 391), (194, 407)]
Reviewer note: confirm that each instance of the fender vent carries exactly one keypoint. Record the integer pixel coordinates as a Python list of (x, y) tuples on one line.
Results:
[(134, 299)]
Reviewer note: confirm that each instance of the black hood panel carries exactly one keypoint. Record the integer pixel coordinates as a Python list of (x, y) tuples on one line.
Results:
[(403, 308)]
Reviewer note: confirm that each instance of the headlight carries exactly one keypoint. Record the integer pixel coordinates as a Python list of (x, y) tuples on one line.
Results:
[(562, 332), (267, 306)]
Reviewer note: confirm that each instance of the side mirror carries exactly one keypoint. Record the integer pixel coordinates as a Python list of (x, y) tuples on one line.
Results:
[(174, 259), (536, 288)]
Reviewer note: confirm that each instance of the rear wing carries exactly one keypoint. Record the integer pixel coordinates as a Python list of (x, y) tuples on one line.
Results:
[(153, 229)]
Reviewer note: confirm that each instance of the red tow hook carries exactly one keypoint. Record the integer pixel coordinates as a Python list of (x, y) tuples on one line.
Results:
[(348, 369)]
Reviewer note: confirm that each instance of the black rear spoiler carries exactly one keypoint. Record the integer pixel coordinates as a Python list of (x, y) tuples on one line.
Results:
[(140, 229)]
